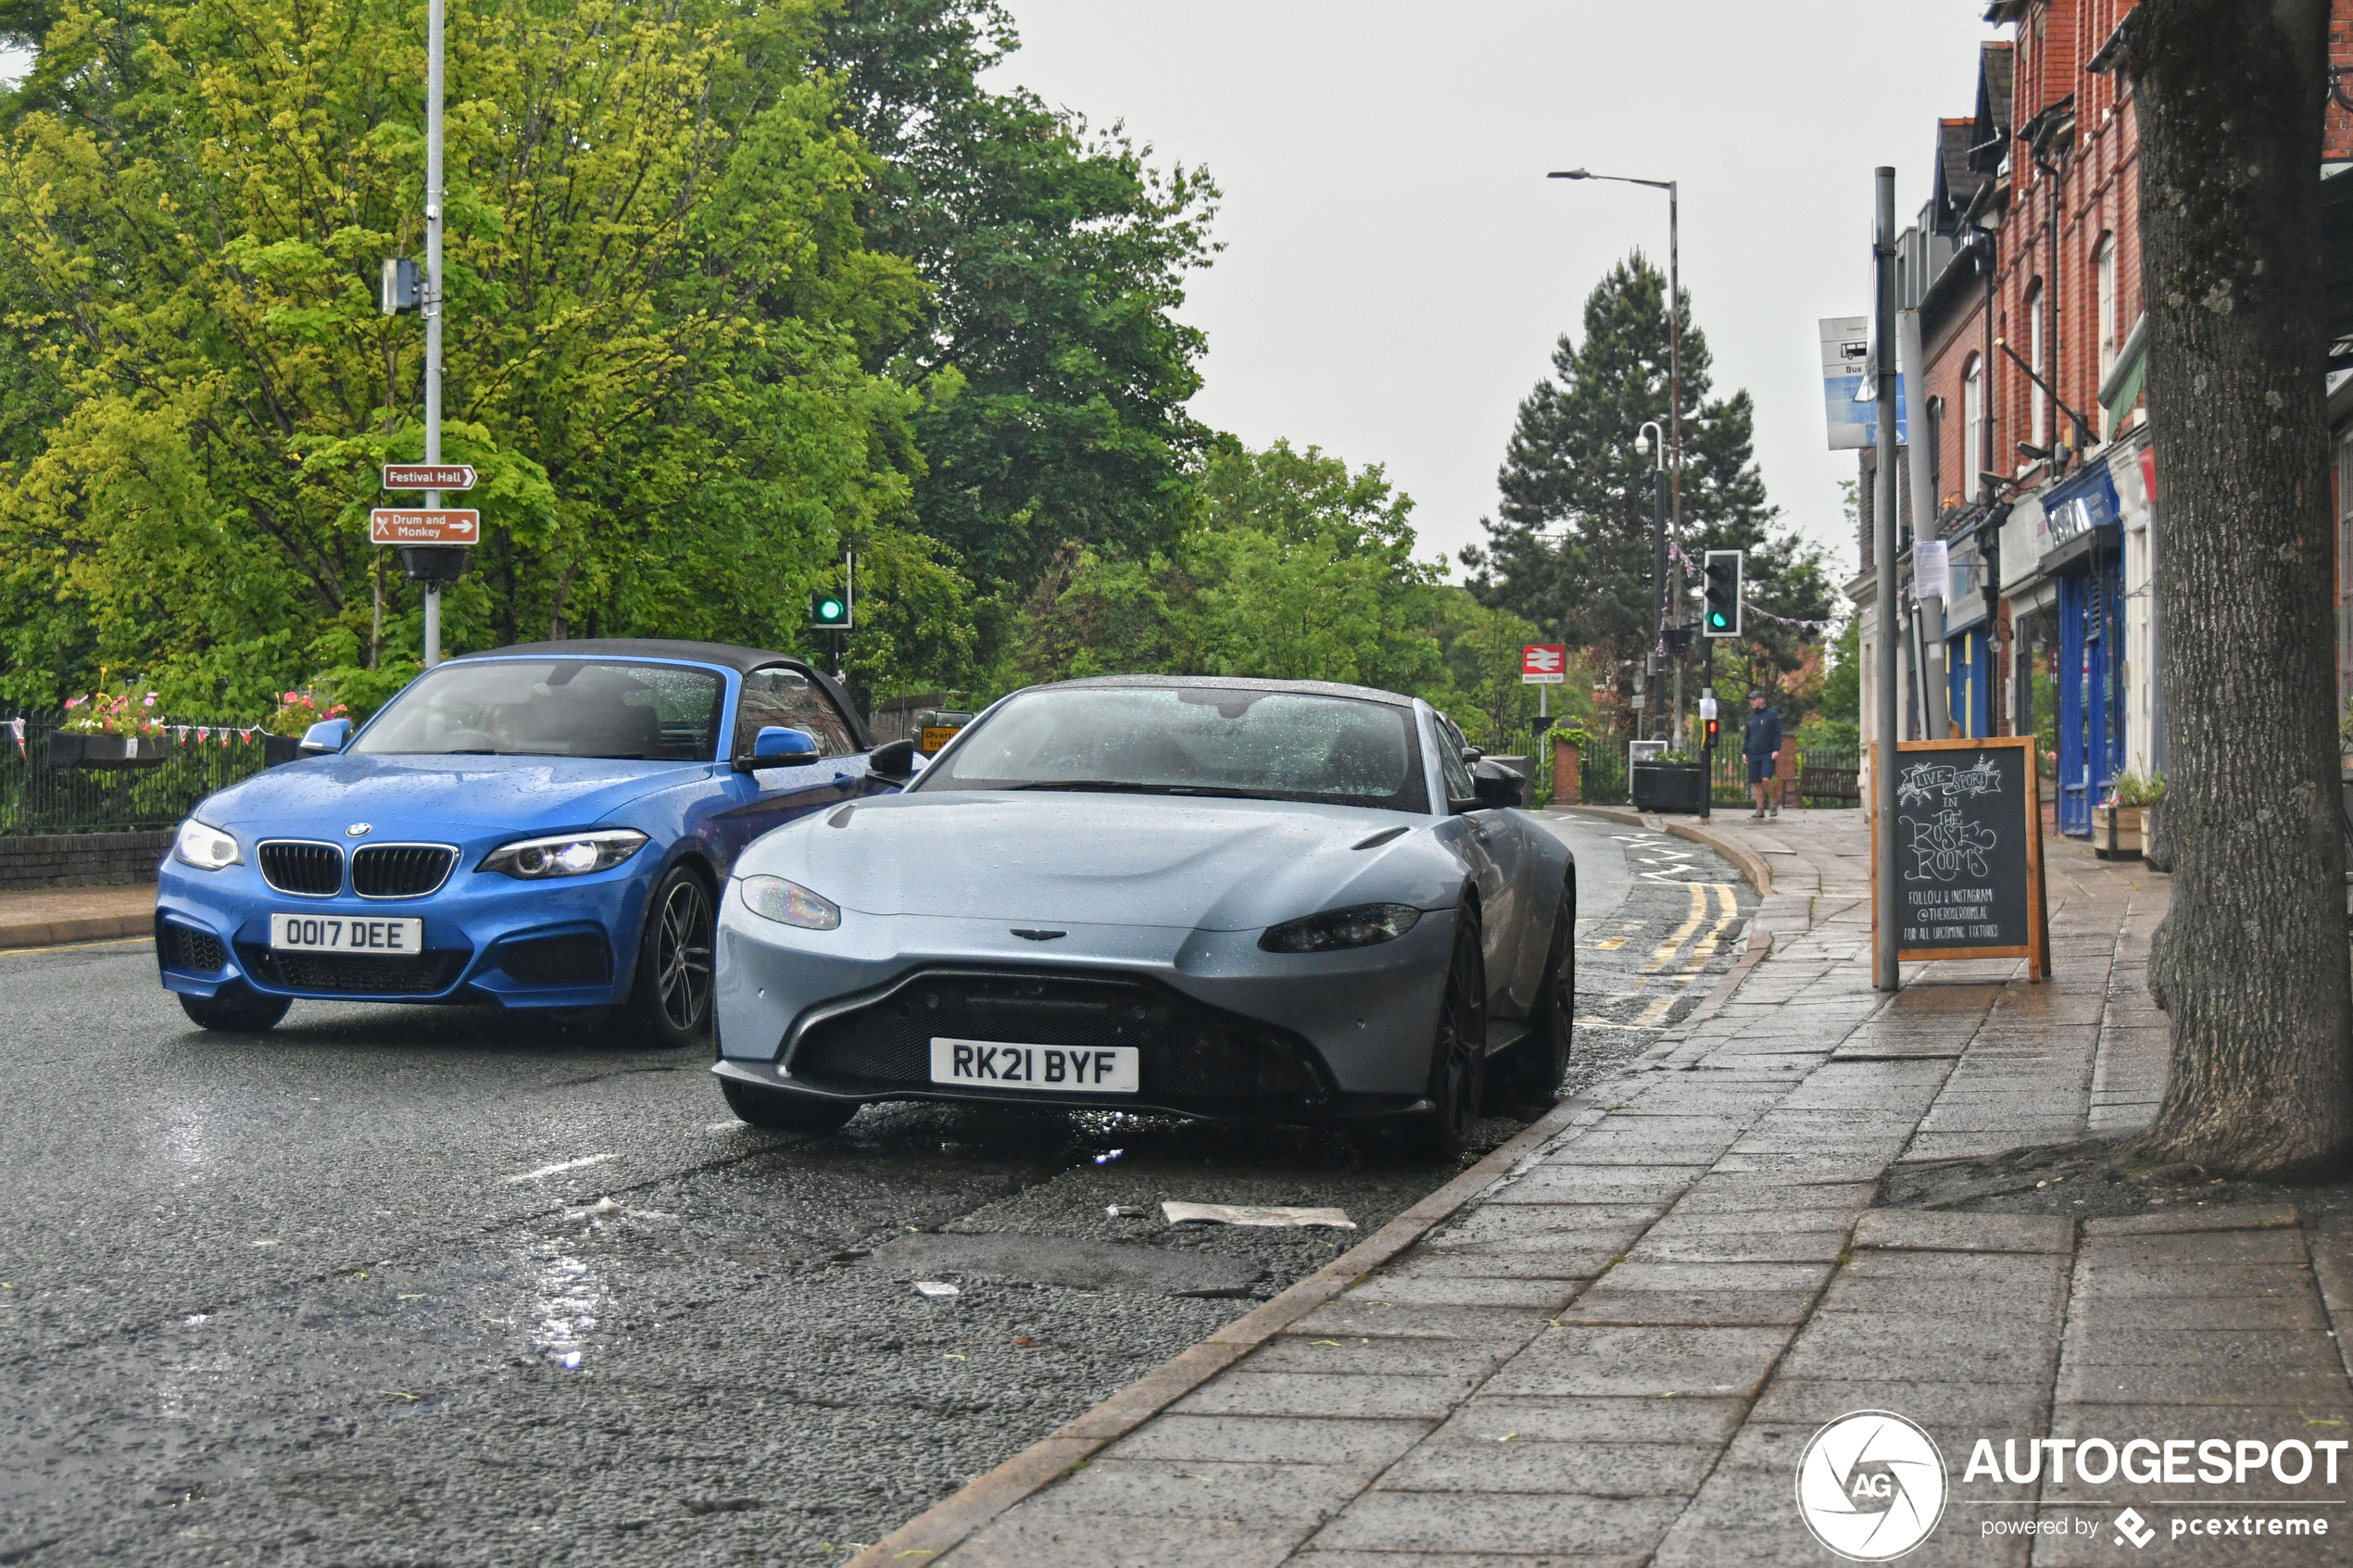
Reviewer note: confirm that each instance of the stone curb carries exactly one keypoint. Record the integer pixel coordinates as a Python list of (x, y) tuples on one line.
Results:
[(947, 1523), (20, 935), (1752, 865)]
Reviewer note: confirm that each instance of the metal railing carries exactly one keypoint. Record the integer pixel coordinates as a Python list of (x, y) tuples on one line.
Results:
[(38, 798)]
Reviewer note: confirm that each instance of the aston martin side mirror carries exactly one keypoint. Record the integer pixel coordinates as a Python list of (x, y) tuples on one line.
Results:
[(776, 747), (1497, 786), (326, 736), (894, 760)]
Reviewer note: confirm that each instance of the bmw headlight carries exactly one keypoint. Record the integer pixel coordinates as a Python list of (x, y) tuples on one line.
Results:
[(568, 854), (772, 898), (204, 847), (1359, 927)]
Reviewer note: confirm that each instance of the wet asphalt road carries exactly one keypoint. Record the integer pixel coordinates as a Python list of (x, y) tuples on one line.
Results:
[(395, 1287)]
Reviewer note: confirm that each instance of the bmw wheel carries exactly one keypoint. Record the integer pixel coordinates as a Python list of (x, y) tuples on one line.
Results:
[(1532, 1070), (1458, 1054), (234, 1009), (672, 995)]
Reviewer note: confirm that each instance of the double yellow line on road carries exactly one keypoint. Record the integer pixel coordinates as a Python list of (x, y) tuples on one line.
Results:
[(1704, 949)]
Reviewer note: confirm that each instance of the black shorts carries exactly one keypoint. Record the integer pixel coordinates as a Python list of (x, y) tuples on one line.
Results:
[(1759, 769)]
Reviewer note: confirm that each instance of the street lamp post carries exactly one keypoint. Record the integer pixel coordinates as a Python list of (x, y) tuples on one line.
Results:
[(1649, 440), (1674, 384), (1674, 327)]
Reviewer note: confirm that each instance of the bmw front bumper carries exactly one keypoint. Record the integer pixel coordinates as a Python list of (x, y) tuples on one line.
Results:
[(1225, 1028), (564, 943)]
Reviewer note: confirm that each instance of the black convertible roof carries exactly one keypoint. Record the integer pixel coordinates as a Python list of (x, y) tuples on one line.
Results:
[(739, 659), (1247, 684), (742, 660)]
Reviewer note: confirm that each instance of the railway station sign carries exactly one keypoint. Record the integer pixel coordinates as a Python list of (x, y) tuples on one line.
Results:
[(1544, 664), (392, 526), (1969, 851), (429, 476)]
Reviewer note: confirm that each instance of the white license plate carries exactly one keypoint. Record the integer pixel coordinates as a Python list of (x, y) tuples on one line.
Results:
[(344, 933), (1085, 1070)]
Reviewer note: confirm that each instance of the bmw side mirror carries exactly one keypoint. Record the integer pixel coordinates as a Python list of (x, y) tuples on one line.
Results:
[(326, 736), (894, 760), (776, 747)]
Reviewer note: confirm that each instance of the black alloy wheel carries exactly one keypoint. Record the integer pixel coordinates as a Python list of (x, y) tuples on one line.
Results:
[(236, 1008), (1458, 1054), (1530, 1073), (672, 995), (784, 1111)]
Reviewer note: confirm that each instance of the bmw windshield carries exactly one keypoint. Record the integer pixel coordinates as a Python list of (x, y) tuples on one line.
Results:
[(554, 708), (1192, 740)]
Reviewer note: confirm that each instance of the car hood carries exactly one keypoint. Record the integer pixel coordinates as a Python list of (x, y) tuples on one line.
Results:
[(1040, 858), (412, 794)]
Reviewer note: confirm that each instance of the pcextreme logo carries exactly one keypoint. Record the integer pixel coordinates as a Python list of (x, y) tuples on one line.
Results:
[(1870, 1485)]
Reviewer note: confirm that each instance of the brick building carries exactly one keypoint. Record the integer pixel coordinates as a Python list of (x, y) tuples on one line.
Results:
[(2031, 410)]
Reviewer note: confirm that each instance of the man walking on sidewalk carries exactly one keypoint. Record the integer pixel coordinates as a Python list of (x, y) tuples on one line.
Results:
[(1762, 746)]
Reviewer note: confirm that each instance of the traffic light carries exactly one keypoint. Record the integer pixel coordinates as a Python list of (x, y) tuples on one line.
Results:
[(1720, 617), (828, 612), (1715, 728)]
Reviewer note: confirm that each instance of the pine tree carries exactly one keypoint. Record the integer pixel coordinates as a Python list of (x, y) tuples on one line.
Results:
[(1572, 548)]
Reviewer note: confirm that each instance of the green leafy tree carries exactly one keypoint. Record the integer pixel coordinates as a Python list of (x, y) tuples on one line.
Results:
[(1056, 257), (1571, 547), (663, 319), (1292, 566)]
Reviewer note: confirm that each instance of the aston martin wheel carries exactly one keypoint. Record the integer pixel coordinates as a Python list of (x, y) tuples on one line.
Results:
[(784, 1112), (1530, 1073), (672, 995), (1458, 1055), (234, 1009)]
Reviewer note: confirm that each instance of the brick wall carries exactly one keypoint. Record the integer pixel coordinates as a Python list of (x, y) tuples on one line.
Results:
[(80, 860)]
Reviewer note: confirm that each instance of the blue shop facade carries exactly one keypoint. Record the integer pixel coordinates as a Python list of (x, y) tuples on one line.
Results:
[(2077, 559)]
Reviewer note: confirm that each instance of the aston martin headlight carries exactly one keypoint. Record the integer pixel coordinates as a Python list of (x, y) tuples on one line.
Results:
[(788, 903), (1359, 927), (204, 847), (568, 854)]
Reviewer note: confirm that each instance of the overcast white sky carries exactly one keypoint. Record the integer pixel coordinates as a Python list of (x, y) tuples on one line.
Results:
[(1396, 266)]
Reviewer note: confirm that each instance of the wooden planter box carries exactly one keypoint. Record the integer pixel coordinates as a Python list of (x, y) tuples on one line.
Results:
[(2116, 832), (66, 750)]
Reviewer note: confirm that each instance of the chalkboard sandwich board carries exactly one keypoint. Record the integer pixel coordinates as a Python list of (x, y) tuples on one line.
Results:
[(1969, 851)]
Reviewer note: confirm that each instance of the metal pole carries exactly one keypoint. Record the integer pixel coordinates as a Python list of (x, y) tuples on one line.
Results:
[(433, 299), (1707, 740), (1674, 356), (1658, 578), (1883, 968), (1935, 689)]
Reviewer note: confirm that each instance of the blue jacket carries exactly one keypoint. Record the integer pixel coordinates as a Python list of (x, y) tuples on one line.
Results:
[(1763, 734)]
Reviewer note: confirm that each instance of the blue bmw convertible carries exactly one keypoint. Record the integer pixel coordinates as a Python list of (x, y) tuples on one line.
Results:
[(547, 825)]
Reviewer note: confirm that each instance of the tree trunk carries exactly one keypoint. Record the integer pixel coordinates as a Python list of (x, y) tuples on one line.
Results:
[(2254, 964)]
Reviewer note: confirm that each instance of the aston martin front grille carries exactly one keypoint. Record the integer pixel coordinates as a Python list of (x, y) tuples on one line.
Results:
[(1192, 1055), (314, 871), (400, 870)]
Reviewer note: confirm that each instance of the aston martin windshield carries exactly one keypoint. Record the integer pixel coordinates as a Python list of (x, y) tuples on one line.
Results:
[(554, 708), (1192, 740)]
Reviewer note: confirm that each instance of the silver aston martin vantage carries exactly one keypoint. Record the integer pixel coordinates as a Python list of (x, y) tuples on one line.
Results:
[(1231, 899)]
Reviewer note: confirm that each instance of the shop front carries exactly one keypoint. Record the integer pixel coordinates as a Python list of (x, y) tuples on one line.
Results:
[(2084, 561)]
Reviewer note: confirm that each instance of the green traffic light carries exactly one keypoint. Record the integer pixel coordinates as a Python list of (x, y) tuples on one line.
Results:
[(829, 609)]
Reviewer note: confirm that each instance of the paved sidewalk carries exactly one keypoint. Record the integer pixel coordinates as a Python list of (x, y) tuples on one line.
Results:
[(1619, 1350), (50, 916)]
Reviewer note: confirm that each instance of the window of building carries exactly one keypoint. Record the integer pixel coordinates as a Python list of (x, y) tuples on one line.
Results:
[(1972, 423), (2039, 420), (2104, 327)]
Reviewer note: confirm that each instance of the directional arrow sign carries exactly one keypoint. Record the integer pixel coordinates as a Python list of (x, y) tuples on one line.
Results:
[(1544, 664), (387, 525), (428, 476)]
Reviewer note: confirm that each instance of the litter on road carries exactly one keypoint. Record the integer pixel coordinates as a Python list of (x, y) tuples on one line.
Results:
[(1252, 1214), (936, 1289), (1125, 1211)]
